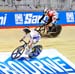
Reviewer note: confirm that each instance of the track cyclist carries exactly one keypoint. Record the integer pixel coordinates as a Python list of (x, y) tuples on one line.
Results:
[(52, 17), (34, 37)]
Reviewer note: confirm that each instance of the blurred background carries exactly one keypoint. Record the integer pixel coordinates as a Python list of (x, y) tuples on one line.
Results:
[(37, 4)]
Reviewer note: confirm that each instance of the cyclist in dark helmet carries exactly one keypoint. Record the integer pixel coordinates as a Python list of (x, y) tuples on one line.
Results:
[(33, 36), (26, 30)]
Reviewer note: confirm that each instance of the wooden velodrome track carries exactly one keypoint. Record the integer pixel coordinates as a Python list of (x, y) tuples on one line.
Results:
[(64, 43)]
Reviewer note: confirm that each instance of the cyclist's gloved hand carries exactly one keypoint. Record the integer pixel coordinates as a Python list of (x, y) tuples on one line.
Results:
[(21, 40), (40, 20)]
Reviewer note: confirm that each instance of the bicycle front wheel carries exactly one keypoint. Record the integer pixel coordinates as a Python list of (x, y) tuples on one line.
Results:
[(17, 52)]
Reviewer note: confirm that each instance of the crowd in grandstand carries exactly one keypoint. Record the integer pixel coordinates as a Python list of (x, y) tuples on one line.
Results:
[(37, 4)]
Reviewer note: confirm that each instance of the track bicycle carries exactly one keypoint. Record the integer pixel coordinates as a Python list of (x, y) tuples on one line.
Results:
[(53, 31), (36, 50)]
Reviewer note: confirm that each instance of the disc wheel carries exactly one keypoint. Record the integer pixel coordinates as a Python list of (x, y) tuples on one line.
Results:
[(55, 31)]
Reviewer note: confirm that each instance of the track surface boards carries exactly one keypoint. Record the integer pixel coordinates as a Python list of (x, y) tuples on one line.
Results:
[(64, 43)]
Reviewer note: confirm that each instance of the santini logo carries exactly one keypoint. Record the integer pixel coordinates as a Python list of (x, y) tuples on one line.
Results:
[(27, 18), (3, 19)]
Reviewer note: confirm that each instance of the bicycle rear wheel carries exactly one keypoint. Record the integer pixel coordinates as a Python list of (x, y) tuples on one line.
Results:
[(55, 31), (17, 52), (36, 51)]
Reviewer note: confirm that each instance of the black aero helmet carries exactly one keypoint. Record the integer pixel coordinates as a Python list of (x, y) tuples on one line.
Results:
[(26, 30)]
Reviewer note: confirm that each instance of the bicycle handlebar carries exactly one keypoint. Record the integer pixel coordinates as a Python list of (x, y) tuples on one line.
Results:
[(23, 41)]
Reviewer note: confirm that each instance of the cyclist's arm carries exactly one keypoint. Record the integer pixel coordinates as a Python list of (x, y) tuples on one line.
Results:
[(42, 17), (22, 38)]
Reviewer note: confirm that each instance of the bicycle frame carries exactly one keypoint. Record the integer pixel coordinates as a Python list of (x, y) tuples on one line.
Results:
[(20, 50)]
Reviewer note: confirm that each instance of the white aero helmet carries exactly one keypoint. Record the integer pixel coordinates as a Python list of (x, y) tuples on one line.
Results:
[(45, 10)]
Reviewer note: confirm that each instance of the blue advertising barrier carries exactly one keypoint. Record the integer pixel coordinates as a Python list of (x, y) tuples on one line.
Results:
[(66, 17), (10, 19), (19, 18)]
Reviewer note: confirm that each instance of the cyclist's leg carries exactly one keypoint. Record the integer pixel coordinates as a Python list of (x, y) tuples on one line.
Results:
[(49, 24), (53, 29), (35, 41), (29, 47)]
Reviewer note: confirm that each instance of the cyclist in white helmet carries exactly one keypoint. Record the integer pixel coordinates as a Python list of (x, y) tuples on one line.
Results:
[(52, 16), (33, 36)]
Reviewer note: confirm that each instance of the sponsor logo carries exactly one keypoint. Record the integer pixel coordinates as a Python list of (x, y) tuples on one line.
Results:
[(3, 19), (70, 16), (28, 18), (40, 65)]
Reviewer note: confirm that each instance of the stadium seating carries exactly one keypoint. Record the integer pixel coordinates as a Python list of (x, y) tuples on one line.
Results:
[(37, 4)]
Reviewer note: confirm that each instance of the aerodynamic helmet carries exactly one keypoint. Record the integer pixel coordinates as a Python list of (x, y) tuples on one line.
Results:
[(26, 30), (45, 10)]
